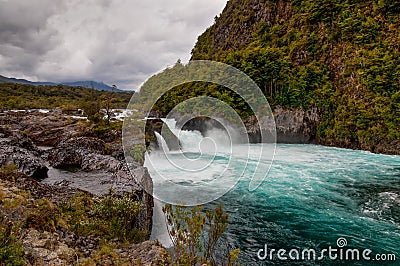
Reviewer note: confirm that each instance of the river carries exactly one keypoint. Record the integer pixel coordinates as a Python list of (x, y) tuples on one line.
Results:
[(312, 198)]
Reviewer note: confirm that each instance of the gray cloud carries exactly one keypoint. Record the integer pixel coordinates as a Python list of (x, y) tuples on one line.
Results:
[(119, 42)]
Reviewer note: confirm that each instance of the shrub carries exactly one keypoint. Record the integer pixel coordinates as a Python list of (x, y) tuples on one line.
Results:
[(11, 251), (120, 213), (74, 213), (137, 152), (196, 236), (109, 217), (44, 217)]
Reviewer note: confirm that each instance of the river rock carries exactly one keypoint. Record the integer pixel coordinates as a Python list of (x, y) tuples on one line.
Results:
[(44, 129), (17, 148), (45, 247), (78, 152)]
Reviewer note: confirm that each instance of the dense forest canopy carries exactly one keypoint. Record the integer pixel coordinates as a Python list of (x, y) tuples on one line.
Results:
[(342, 57)]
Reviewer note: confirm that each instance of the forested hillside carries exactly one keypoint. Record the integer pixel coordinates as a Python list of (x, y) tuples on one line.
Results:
[(340, 56), (27, 96)]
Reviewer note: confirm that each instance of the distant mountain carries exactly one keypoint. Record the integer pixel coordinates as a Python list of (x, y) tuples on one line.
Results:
[(87, 83), (23, 81)]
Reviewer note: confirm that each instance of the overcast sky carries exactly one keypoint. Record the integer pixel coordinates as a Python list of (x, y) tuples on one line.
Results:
[(120, 42)]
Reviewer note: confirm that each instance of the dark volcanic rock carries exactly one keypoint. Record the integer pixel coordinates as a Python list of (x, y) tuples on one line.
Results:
[(44, 129), (16, 148), (145, 196), (97, 164), (292, 126), (91, 155), (296, 126), (202, 124), (83, 152)]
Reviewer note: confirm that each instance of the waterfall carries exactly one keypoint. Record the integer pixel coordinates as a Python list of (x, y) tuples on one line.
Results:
[(198, 166), (190, 140), (161, 141), (159, 230)]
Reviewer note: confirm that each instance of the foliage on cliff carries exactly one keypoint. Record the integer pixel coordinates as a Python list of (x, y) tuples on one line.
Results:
[(341, 56)]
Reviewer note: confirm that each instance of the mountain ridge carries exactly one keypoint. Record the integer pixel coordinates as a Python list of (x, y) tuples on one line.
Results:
[(101, 86)]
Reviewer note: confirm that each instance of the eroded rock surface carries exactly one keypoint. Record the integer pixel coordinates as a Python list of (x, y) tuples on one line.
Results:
[(17, 148)]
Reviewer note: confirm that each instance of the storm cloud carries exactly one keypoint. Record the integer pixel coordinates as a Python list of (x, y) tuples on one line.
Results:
[(119, 42)]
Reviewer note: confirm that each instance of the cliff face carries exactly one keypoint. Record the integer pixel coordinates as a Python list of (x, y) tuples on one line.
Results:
[(296, 126), (337, 59)]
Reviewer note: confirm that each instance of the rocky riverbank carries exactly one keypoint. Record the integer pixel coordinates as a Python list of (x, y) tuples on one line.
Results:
[(34, 146)]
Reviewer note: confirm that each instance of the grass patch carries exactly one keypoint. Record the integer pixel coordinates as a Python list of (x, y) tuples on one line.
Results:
[(102, 128), (13, 197)]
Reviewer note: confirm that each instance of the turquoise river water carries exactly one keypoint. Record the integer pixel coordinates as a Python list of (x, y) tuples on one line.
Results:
[(312, 198)]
